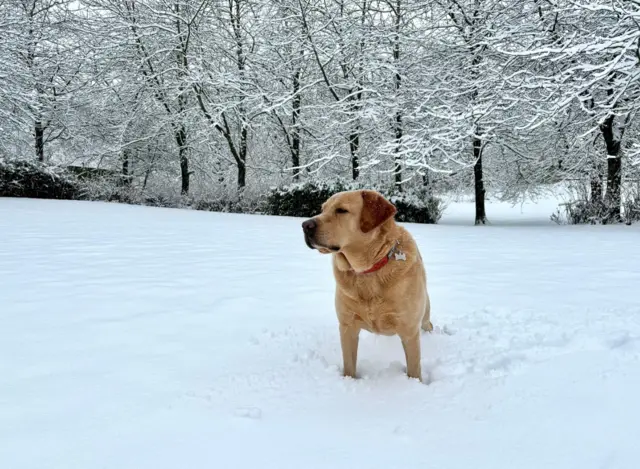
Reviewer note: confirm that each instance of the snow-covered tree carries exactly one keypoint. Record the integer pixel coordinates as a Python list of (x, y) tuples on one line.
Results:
[(41, 61)]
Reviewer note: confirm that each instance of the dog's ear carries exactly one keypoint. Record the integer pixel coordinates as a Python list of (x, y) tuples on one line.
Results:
[(375, 210)]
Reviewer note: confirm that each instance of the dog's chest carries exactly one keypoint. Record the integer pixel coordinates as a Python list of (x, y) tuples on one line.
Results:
[(377, 320), (369, 310)]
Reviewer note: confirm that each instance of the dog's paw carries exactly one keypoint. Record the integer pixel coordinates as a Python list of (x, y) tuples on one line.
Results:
[(444, 330)]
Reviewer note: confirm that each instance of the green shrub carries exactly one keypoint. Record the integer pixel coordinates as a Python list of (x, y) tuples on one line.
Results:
[(417, 207), (20, 178), (305, 200)]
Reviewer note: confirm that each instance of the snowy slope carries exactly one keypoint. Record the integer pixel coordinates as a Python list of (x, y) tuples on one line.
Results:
[(136, 338)]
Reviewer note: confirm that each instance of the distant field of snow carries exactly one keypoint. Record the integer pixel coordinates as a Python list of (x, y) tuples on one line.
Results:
[(134, 338)]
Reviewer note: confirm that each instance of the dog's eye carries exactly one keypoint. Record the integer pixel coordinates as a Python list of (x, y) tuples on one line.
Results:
[(341, 210)]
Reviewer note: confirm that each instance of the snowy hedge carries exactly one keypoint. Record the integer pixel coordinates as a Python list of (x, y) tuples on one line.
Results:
[(19, 178), (305, 199), (417, 207), (631, 207), (581, 209)]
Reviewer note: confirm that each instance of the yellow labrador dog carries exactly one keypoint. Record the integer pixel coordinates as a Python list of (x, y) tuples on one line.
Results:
[(381, 283)]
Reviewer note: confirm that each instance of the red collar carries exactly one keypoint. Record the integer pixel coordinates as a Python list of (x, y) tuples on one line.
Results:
[(377, 266), (382, 262)]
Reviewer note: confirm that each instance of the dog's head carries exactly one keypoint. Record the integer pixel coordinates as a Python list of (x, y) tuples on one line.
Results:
[(347, 219)]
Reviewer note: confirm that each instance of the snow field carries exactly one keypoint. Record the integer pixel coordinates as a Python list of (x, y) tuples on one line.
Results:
[(134, 337)]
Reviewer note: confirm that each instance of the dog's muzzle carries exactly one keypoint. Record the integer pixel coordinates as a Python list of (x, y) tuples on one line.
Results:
[(309, 228)]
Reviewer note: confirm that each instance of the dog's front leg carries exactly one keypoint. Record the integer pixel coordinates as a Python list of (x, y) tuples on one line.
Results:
[(411, 345), (349, 337)]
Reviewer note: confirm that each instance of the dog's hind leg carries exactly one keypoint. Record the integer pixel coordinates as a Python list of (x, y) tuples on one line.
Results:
[(411, 345)]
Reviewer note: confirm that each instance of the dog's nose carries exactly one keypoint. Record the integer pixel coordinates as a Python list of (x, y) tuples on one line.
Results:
[(309, 226)]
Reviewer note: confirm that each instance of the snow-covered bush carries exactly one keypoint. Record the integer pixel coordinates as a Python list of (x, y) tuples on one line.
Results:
[(631, 205), (20, 178), (580, 212), (228, 205), (109, 188), (417, 207), (305, 200), (580, 209)]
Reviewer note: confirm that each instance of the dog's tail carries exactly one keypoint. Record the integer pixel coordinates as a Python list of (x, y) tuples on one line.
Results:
[(426, 319)]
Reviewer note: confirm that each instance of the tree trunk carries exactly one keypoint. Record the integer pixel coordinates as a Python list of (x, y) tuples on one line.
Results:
[(295, 131), (596, 184), (242, 162), (241, 60), (481, 216), (397, 170), (126, 180), (614, 185), (125, 162), (613, 197), (354, 136), (354, 145), (39, 135), (242, 175), (181, 140), (184, 172), (183, 101)]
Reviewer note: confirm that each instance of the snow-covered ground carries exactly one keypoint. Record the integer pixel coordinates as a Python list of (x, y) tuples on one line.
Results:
[(135, 337)]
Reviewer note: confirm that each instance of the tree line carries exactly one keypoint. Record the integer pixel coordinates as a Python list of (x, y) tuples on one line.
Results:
[(236, 96)]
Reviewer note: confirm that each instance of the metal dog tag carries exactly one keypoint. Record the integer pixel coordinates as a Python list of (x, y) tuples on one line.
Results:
[(400, 256)]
